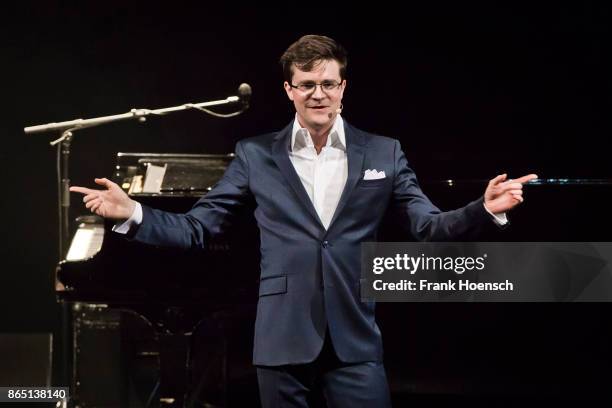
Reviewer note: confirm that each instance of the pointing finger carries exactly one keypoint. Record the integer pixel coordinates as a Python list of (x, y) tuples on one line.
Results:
[(82, 190), (526, 178)]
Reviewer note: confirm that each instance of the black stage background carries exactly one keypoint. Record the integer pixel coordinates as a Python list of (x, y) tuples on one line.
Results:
[(470, 90)]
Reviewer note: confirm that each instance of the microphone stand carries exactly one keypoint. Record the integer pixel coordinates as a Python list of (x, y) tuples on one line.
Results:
[(68, 127)]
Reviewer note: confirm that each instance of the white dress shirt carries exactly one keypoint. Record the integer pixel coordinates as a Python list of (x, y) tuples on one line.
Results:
[(323, 175)]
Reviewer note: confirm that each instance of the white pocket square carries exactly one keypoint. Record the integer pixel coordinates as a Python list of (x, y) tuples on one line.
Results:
[(374, 175)]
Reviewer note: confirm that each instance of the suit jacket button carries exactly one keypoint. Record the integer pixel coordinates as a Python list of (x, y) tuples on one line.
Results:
[(325, 244)]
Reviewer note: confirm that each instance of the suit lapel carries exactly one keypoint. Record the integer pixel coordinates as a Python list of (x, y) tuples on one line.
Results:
[(280, 155), (355, 155)]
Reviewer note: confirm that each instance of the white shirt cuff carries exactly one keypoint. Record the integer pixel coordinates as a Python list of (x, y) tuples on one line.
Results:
[(499, 219), (132, 222)]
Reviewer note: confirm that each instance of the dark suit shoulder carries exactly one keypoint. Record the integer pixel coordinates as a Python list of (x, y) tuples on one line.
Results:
[(372, 138), (258, 144), (382, 140)]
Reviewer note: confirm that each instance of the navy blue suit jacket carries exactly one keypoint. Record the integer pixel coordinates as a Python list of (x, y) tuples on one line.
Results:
[(309, 275)]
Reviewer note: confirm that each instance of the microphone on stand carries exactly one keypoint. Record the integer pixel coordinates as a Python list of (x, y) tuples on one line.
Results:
[(244, 93)]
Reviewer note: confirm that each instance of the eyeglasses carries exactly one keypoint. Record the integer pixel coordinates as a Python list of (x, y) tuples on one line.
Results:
[(309, 87)]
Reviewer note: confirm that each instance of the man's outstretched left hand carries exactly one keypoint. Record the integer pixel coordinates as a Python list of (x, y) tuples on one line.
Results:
[(503, 195)]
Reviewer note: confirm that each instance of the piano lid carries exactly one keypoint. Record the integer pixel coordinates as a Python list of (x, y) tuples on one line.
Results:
[(189, 175)]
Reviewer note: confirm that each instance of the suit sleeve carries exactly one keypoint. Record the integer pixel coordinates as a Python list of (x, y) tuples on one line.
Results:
[(210, 216), (426, 221)]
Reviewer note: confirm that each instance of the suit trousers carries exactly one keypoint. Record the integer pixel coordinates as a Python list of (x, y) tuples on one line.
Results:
[(327, 381)]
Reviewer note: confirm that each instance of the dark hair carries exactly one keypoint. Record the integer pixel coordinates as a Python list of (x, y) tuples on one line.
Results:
[(308, 51)]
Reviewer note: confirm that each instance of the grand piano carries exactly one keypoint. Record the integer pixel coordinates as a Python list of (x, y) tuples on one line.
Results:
[(175, 328)]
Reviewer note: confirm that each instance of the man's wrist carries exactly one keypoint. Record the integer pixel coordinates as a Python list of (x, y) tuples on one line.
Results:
[(133, 221), (499, 218), (131, 209)]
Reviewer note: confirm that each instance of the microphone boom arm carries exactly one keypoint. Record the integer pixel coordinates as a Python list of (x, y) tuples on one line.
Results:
[(139, 114)]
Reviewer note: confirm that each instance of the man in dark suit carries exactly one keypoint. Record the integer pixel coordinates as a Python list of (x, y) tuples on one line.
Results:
[(321, 187)]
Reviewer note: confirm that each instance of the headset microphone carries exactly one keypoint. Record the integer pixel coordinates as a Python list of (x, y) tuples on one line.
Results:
[(338, 111)]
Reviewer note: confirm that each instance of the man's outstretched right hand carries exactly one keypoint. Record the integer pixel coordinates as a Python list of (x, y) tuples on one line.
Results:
[(112, 202)]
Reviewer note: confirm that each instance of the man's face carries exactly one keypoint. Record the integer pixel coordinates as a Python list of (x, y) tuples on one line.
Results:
[(316, 109)]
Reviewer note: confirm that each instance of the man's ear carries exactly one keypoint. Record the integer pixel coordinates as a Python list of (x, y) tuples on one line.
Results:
[(342, 89), (289, 90)]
